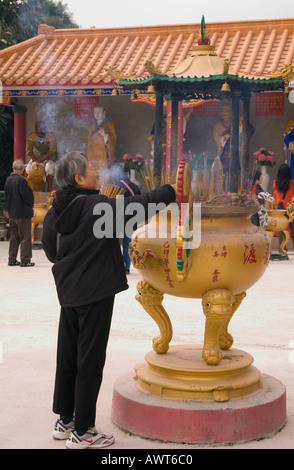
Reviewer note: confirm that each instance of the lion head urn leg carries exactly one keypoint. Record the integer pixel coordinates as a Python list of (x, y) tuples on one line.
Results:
[(225, 338), (151, 300), (218, 306)]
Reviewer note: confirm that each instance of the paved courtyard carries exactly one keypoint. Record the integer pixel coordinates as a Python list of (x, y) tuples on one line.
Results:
[(263, 326)]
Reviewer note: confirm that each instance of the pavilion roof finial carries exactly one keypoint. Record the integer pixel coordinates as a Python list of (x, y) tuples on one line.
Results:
[(203, 39), (203, 28)]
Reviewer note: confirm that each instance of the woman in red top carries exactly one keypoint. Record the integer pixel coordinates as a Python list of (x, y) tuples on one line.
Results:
[(256, 184), (284, 190)]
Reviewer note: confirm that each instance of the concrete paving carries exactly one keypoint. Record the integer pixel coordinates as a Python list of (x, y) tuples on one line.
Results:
[(263, 326)]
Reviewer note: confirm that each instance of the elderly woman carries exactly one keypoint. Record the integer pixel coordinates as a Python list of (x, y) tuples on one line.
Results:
[(88, 271)]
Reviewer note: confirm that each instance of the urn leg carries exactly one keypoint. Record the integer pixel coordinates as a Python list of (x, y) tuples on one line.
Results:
[(285, 239), (225, 338), (217, 307), (151, 300)]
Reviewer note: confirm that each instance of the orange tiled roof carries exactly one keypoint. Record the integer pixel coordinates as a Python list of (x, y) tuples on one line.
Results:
[(82, 57)]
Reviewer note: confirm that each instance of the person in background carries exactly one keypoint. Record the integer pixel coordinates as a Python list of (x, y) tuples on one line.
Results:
[(256, 191), (283, 187), (20, 200), (131, 189), (89, 271), (256, 183)]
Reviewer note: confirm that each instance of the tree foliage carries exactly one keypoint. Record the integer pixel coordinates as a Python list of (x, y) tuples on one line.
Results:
[(6, 143), (19, 19)]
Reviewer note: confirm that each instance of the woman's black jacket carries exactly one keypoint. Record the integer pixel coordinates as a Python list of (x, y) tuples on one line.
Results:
[(86, 268)]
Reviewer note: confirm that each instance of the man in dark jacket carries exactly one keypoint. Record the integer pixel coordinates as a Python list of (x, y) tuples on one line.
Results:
[(88, 271), (20, 199)]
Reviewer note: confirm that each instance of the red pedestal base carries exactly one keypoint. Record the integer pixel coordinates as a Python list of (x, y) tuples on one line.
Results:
[(198, 422)]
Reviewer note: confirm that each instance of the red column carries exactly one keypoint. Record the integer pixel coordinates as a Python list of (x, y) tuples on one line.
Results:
[(180, 131), (19, 151)]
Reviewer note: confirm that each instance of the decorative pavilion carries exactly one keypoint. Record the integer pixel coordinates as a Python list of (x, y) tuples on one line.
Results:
[(204, 75)]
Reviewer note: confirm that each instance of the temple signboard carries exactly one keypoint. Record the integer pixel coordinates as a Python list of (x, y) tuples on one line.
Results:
[(84, 106), (269, 103)]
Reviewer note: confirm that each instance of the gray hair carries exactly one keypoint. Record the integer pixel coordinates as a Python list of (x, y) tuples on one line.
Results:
[(68, 166), (18, 164)]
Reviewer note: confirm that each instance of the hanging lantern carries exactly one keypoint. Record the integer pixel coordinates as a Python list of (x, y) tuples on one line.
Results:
[(226, 87), (151, 89)]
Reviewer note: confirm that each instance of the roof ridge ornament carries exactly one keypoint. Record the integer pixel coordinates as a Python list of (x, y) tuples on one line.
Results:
[(151, 68), (204, 36), (287, 73), (116, 74), (226, 66), (203, 41), (47, 30)]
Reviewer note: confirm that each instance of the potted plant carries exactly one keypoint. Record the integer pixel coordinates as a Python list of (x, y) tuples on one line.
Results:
[(136, 163), (264, 158)]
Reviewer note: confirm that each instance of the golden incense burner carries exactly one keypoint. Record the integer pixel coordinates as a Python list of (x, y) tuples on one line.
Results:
[(278, 221), (232, 255)]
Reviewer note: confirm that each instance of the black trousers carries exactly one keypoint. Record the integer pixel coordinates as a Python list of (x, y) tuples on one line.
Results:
[(81, 351), (20, 236)]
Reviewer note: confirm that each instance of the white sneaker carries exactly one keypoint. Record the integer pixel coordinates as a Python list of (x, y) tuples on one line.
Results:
[(61, 430), (92, 439)]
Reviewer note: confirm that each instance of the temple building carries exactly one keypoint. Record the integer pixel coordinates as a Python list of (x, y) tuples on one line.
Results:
[(59, 76)]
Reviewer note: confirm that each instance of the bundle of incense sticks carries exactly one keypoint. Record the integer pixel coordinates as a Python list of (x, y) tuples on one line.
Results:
[(111, 190), (147, 175)]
